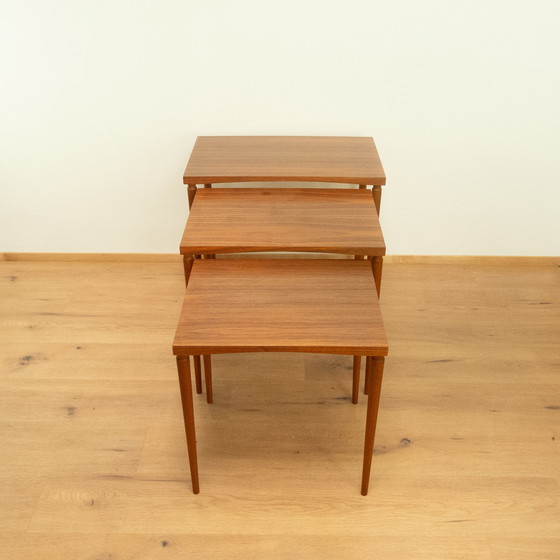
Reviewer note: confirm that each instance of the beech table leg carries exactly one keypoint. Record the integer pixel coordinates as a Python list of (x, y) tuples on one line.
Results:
[(356, 379), (184, 371), (208, 377), (374, 392)]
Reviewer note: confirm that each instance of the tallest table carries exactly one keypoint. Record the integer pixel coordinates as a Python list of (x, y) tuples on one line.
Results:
[(323, 159)]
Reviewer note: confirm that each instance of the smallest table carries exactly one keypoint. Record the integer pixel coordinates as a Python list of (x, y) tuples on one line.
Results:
[(323, 159), (314, 305)]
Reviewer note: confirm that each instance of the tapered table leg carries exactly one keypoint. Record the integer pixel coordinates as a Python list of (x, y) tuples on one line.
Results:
[(374, 392), (208, 377), (197, 374), (191, 193), (367, 376), (184, 371), (209, 256), (360, 257), (377, 268), (356, 379), (357, 359), (188, 261), (376, 192)]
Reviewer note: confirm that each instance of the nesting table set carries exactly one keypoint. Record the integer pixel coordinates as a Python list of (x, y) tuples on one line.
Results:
[(318, 305)]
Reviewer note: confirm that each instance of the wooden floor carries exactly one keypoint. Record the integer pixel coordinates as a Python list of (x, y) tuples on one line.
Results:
[(93, 461)]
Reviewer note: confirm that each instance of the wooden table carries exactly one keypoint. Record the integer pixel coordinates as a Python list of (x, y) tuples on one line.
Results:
[(311, 305), (225, 223), (342, 221), (323, 159)]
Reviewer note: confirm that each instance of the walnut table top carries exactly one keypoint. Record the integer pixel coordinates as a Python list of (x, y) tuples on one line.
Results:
[(329, 159), (224, 220), (282, 305)]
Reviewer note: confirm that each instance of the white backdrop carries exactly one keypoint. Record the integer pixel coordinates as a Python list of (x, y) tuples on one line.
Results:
[(101, 102)]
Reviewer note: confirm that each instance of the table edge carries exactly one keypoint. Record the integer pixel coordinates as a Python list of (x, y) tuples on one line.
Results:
[(183, 351), (187, 250), (215, 179)]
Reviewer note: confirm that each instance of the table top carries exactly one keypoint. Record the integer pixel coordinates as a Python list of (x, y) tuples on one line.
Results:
[(224, 220), (309, 305), (329, 159)]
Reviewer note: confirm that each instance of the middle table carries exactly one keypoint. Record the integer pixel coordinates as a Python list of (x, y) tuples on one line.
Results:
[(342, 221)]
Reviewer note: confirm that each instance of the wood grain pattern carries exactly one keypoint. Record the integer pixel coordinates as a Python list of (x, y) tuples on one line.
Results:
[(312, 220), (92, 456), (232, 159), (327, 306)]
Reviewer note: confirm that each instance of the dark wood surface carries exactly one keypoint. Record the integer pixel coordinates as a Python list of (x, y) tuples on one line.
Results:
[(331, 159), (375, 367), (303, 305), (225, 220), (185, 385)]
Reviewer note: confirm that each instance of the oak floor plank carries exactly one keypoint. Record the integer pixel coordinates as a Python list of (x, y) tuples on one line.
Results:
[(516, 548), (261, 504), (92, 455), (154, 546)]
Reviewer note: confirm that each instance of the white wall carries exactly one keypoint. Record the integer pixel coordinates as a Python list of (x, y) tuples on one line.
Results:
[(101, 102)]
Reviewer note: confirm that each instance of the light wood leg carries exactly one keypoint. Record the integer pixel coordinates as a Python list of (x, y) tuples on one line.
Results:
[(184, 371), (376, 191), (356, 379), (208, 377), (374, 392)]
